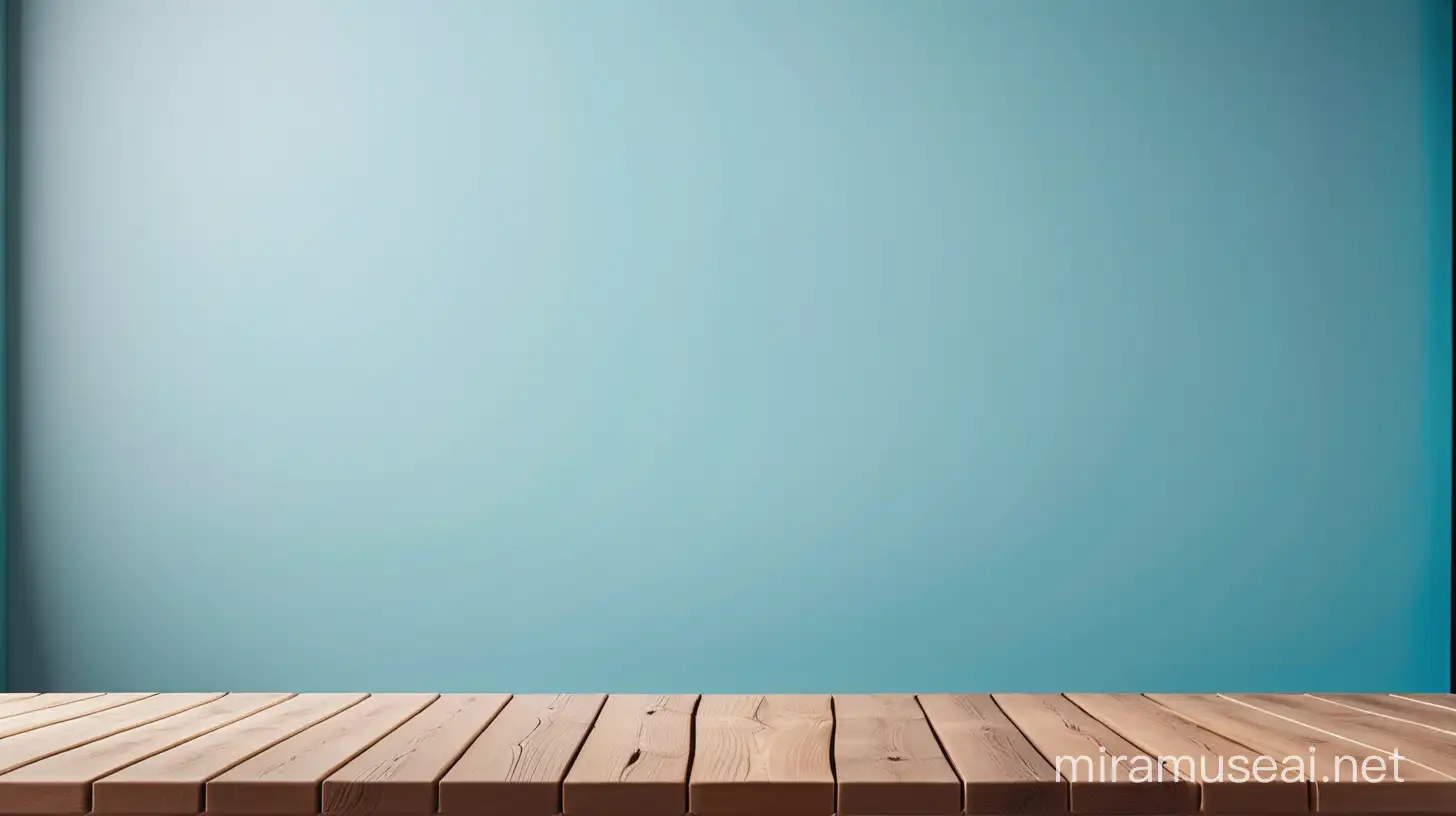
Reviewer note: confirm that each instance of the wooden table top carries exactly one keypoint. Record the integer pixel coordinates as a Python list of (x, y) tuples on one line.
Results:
[(249, 754)]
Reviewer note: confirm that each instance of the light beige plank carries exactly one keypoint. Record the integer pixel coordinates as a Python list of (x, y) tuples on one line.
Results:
[(31, 746), (61, 784), (31, 720), (1194, 752), (1293, 745), (9, 697), (40, 702), (1414, 742), (1442, 700), (1400, 708), (1123, 779), (286, 778), (172, 781), (1004, 775), (399, 774), (516, 767), (635, 761), (766, 754), (887, 761)]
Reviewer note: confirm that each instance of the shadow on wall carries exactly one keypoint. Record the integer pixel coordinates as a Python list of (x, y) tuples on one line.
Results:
[(18, 633)]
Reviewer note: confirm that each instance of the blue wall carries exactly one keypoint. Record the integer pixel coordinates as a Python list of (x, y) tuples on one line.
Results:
[(755, 345)]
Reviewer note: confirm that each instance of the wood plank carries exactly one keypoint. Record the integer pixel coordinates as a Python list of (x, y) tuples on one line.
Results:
[(1415, 743), (29, 721), (399, 773), (517, 766), (61, 784), (1194, 752), (1291, 744), (635, 761), (286, 779), (172, 782), (762, 754), (1447, 701), (16, 695), (1398, 708), (39, 702), (1105, 773), (33, 745), (1002, 772), (887, 761), (1383, 734)]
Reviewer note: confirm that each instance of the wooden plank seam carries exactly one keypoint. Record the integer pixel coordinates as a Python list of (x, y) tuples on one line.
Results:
[(769, 755)]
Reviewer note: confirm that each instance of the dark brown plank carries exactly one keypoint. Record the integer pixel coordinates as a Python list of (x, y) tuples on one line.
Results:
[(1106, 773), (516, 767), (887, 761), (1194, 752), (635, 761), (1291, 744), (1003, 773)]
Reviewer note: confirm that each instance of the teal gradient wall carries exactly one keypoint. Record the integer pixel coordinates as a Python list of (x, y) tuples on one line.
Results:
[(709, 346)]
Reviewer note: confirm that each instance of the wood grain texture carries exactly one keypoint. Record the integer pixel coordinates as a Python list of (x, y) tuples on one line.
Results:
[(516, 767), (1283, 739), (61, 784), (1441, 700), (635, 760), (1122, 779), (12, 696), (22, 749), (400, 773), (1002, 772), (896, 755), (767, 754), (172, 781), (31, 720), (38, 702), (1434, 750), (1194, 752), (1383, 734), (887, 761), (286, 779), (1399, 708)]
